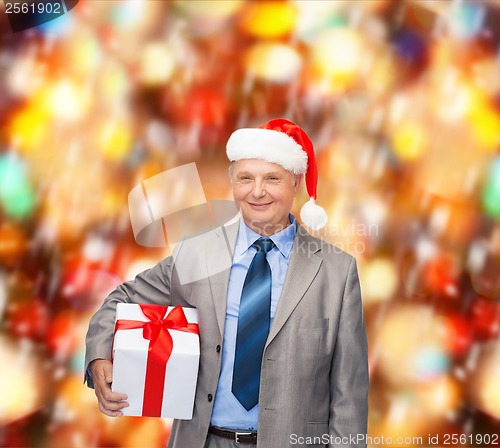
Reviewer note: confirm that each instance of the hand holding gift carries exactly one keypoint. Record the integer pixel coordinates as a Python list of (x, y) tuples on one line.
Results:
[(110, 402)]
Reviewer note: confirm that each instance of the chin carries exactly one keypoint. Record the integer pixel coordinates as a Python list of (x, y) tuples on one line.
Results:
[(258, 221), (255, 219)]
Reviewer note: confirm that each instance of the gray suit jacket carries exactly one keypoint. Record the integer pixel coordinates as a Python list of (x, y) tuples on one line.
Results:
[(314, 379)]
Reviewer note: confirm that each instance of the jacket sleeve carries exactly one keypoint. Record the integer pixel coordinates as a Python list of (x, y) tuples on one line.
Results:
[(151, 286), (349, 370)]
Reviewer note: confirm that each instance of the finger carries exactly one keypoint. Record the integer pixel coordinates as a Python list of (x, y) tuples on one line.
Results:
[(113, 405), (109, 413), (111, 401), (102, 388), (107, 395), (104, 378)]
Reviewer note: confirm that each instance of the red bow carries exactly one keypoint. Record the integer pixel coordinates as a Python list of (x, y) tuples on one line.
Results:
[(156, 330)]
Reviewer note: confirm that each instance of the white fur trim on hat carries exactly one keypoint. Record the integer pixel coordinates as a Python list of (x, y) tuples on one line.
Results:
[(312, 215), (268, 145)]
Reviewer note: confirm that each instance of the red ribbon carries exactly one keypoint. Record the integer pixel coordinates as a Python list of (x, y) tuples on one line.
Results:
[(159, 351)]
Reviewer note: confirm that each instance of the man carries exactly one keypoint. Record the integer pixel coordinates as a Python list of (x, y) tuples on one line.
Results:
[(283, 347)]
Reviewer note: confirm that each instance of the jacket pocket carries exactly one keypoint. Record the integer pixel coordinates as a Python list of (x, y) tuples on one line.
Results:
[(311, 323)]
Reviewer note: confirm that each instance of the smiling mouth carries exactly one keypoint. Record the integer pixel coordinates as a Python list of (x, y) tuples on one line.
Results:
[(256, 205)]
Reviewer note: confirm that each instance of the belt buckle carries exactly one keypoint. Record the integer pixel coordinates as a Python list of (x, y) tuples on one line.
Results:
[(238, 434)]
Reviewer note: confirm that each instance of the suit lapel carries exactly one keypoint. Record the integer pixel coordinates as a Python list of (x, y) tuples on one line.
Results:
[(301, 272), (220, 251)]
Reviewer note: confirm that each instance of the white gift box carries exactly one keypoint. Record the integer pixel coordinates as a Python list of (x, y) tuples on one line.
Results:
[(130, 359)]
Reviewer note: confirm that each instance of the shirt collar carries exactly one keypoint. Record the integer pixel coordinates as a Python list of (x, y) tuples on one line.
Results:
[(283, 239)]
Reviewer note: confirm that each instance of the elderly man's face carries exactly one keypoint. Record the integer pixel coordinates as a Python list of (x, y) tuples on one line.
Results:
[(264, 192)]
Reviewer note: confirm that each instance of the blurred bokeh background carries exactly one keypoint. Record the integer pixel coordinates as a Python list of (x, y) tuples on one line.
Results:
[(402, 101)]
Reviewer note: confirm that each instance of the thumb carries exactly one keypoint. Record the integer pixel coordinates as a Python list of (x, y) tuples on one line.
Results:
[(108, 372)]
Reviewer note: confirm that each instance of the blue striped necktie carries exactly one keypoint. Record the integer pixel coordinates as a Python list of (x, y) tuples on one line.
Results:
[(253, 326)]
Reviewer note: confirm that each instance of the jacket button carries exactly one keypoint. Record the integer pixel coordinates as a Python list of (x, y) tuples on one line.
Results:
[(217, 349), (209, 397)]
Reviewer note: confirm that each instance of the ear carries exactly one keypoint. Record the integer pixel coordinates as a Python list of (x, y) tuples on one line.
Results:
[(298, 180)]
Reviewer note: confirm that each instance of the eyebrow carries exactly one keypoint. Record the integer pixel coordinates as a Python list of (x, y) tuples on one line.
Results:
[(246, 173)]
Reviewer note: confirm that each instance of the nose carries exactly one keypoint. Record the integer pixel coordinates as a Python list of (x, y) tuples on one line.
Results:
[(258, 189)]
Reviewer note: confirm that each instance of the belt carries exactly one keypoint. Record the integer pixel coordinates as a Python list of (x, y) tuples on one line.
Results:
[(243, 437)]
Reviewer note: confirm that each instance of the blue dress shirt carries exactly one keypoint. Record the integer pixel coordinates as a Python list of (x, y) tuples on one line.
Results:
[(228, 411)]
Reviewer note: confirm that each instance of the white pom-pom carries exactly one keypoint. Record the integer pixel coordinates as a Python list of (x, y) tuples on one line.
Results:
[(312, 215)]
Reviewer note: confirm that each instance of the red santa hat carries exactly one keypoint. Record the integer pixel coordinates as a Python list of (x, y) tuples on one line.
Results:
[(282, 142)]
